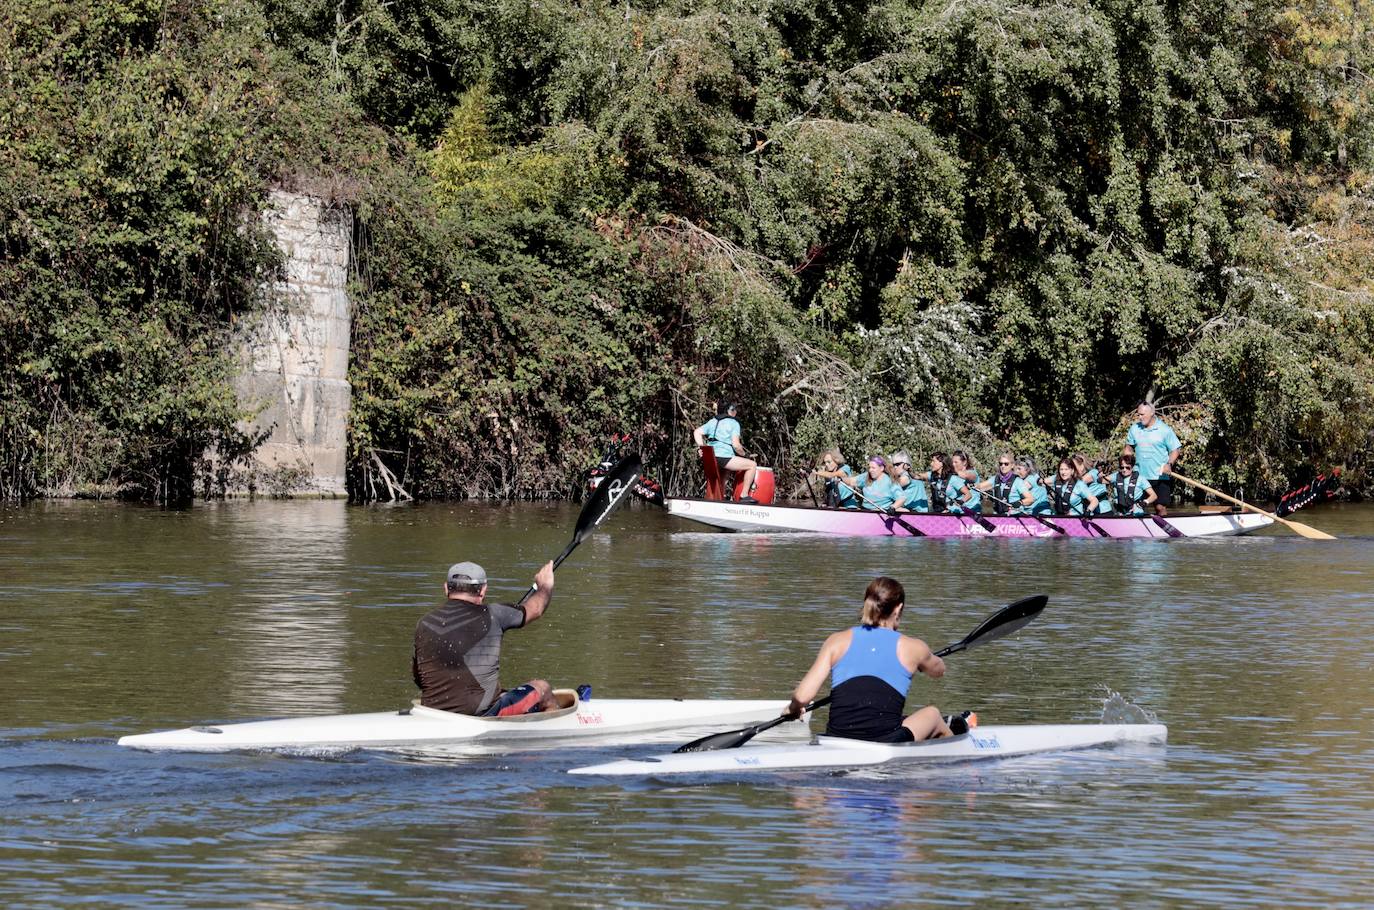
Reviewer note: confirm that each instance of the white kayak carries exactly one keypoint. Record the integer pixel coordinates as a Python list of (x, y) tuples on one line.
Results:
[(418, 727), (835, 752)]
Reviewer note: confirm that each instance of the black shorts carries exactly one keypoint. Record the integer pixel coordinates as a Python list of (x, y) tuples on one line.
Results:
[(721, 463), (1164, 489), (902, 734)]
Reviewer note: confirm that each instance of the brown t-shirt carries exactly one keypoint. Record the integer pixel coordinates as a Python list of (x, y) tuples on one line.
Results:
[(457, 657)]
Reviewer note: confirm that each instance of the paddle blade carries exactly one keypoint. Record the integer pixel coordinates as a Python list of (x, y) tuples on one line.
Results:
[(730, 739), (733, 739), (1011, 618), (1307, 531), (614, 487)]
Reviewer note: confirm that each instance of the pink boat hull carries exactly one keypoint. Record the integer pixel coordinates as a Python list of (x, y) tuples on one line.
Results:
[(851, 523)]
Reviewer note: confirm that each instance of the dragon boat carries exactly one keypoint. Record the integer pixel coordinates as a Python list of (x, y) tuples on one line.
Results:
[(734, 516), (720, 508), (767, 515)]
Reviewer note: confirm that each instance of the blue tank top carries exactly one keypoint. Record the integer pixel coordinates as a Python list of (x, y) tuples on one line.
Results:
[(872, 652)]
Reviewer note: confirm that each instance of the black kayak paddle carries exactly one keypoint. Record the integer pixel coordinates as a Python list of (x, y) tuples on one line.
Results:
[(614, 487), (1011, 618)]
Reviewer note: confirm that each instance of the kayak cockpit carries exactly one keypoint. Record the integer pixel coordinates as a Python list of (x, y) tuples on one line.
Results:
[(566, 698)]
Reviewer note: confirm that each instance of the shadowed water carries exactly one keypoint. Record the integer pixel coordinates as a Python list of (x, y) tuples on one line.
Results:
[(118, 619)]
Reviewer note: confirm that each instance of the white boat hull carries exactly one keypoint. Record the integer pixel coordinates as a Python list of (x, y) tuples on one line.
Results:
[(833, 752), (418, 728)]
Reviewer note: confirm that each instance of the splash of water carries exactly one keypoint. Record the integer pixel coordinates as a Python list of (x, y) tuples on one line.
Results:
[(1117, 709)]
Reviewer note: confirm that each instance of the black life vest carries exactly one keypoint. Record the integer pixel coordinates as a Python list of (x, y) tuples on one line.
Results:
[(1124, 492), (937, 493), (1061, 496), (1002, 490)]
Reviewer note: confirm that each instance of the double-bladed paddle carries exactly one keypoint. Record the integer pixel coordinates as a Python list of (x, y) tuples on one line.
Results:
[(1011, 618), (614, 487)]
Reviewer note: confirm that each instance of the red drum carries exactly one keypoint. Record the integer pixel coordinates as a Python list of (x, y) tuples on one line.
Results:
[(763, 485)]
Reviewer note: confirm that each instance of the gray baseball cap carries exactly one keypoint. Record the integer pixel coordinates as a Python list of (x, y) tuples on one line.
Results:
[(466, 573)]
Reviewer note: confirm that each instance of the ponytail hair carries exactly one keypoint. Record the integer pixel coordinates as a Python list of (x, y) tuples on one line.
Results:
[(881, 600)]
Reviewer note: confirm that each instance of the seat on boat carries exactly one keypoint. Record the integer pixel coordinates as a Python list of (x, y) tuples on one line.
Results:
[(566, 698), (715, 477)]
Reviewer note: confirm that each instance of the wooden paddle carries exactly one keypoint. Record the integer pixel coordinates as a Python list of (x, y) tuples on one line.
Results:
[(1304, 530), (1011, 618), (614, 487)]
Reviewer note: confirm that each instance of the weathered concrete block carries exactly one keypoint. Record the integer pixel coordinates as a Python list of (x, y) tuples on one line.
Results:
[(295, 356)]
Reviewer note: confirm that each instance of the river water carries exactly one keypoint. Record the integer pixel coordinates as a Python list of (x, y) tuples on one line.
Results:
[(114, 619)]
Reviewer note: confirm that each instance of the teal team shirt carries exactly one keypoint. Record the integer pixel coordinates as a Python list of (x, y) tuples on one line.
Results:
[(914, 496), (954, 489), (880, 494), (719, 433), (846, 496), (1099, 489), (1152, 446), (1040, 498)]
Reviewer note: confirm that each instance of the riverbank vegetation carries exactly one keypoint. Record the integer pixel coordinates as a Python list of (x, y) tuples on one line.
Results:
[(877, 224)]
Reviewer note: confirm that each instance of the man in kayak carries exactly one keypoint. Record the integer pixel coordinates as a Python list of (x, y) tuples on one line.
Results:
[(457, 657), (870, 668)]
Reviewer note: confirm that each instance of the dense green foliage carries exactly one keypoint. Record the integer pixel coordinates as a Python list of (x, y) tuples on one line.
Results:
[(875, 224)]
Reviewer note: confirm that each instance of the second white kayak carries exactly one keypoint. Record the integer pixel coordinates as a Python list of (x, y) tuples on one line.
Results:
[(834, 752), (419, 728)]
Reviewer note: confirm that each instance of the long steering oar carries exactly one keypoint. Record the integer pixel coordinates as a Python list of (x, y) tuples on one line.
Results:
[(1308, 532), (1011, 618), (614, 487)]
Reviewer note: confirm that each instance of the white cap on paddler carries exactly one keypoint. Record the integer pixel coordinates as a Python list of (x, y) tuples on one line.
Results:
[(466, 573)]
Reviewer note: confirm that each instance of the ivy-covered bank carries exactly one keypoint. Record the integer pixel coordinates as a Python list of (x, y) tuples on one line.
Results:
[(874, 224)]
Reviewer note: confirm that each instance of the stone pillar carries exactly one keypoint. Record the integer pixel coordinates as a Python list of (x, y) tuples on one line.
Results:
[(296, 353)]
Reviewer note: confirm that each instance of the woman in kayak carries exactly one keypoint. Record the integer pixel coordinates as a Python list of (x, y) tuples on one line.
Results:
[(870, 668)]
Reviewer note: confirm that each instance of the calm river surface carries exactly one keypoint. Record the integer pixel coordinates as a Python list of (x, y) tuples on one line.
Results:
[(114, 619)]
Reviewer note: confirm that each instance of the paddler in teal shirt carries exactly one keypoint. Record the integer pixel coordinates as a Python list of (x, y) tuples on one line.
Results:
[(1028, 494), (961, 491), (1092, 476), (911, 495), (876, 490), (832, 468)]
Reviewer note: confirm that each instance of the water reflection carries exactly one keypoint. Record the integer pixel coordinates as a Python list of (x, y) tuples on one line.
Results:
[(291, 631), (873, 835)]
